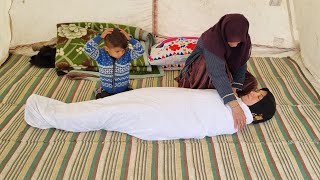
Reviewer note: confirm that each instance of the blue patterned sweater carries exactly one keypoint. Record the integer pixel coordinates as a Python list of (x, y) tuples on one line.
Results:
[(114, 73)]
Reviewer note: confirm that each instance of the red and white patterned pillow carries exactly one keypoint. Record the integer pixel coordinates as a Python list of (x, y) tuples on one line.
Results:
[(170, 67), (172, 53)]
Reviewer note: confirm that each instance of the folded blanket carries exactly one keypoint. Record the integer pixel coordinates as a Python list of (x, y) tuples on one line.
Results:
[(149, 113), (83, 75), (94, 76)]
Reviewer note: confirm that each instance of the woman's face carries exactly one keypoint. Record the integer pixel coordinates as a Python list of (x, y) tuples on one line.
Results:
[(233, 44), (253, 97)]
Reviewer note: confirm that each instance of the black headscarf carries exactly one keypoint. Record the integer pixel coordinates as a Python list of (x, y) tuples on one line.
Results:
[(264, 109), (230, 28)]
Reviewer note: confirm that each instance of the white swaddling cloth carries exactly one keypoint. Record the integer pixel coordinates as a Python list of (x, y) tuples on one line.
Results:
[(157, 113)]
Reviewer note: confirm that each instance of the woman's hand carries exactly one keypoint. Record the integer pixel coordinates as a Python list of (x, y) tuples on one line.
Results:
[(238, 115), (234, 90), (106, 32)]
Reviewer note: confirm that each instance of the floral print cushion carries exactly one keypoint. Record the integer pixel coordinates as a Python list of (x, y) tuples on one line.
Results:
[(172, 51), (73, 36)]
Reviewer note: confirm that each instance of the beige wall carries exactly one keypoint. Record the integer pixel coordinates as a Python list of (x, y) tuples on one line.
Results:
[(5, 34), (35, 20), (269, 25), (308, 25)]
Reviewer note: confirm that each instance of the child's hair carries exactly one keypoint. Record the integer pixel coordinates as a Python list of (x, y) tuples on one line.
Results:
[(116, 39)]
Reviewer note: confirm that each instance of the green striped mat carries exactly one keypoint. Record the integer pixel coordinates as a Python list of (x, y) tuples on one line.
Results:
[(287, 147)]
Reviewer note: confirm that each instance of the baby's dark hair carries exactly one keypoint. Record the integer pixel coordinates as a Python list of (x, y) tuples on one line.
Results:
[(116, 39)]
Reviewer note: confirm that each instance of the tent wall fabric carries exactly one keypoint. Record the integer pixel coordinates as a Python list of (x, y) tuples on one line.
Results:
[(5, 33), (270, 25), (30, 24), (308, 24)]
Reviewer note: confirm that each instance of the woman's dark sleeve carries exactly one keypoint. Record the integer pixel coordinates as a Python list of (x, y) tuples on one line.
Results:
[(217, 72), (239, 77)]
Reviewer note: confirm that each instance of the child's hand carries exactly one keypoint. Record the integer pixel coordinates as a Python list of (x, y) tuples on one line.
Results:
[(106, 32), (125, 34)]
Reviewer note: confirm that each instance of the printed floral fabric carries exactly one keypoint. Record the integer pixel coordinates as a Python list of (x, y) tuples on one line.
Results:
[(73, 36)]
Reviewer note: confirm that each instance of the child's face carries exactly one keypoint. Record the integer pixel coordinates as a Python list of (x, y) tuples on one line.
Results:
[(115, 52)]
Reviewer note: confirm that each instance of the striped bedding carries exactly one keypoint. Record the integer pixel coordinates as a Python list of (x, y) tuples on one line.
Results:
[(287, 147)]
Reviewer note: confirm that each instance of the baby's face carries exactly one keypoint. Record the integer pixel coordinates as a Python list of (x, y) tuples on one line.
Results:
[(115, 52), (253, 97)]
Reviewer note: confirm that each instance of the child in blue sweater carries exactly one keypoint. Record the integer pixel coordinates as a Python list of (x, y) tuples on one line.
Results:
[(114, 59)]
